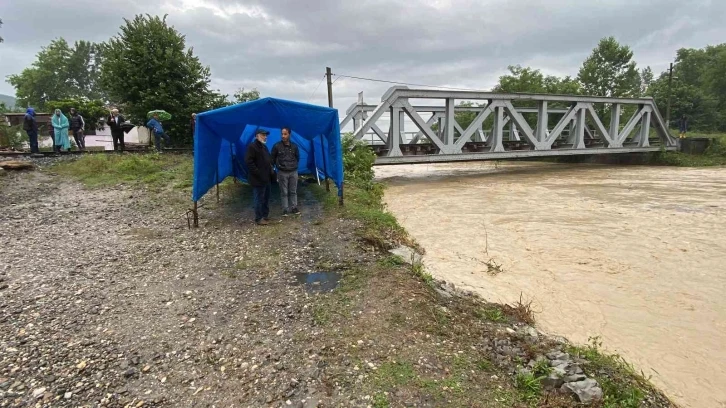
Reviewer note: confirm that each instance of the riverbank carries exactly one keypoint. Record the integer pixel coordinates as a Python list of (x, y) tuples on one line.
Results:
[(629, 254), (109, 299)]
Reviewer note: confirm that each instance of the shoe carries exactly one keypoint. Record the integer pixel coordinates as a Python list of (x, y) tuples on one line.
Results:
[(295, 211), (285, 213), (262, 222)]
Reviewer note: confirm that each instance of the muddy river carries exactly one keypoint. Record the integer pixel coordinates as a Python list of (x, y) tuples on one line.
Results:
[(633, 254)]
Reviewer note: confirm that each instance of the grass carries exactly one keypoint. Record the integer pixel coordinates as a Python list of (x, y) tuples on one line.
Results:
[(153, 170), (715, 155), (622, 386)]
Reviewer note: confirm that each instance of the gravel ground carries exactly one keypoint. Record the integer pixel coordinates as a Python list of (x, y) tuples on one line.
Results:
[(108, 300)]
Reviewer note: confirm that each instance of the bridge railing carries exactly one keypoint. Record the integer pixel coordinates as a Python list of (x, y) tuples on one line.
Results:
[(579, 127)]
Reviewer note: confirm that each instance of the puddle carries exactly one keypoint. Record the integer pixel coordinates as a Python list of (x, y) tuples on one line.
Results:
[(318, 282)]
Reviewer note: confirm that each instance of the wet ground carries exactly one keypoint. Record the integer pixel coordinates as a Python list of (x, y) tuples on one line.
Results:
[(632, 254)]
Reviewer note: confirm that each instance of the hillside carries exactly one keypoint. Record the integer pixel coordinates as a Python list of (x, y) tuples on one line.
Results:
[(8, 100)]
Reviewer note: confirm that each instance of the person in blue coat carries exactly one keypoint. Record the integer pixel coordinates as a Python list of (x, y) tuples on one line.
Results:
[(30, 126), (155, 125), (60, 125)]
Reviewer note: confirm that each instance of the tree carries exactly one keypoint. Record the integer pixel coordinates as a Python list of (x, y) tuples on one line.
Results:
[(242, 96), (59, 72), (1, 24), (698, 89), (147, 66), (646, 78), (610, 71)]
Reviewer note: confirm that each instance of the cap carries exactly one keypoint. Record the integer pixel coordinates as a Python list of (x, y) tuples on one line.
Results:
[(262, 132)]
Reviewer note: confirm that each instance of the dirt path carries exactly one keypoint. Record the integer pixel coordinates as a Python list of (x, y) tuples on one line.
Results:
[(633, 254), (109, 300)]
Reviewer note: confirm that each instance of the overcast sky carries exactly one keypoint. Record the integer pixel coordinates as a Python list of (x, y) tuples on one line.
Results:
[(282, 47)]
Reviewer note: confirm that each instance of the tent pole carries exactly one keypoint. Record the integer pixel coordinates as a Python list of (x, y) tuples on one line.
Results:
[(329, 75), (340, 199), (216, 176), (196, 216), (325, 166)]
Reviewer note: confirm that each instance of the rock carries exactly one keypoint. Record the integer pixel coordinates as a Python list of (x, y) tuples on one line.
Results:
[(575, 378), (37, 393), (407, 254), (558, 355), (68, 395), (586, 390), (552, 381)]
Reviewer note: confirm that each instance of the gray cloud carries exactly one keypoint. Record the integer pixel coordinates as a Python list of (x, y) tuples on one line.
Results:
[(282, 47)]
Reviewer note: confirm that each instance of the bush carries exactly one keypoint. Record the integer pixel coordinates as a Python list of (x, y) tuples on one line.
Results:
[(358, 159), (13, 136)]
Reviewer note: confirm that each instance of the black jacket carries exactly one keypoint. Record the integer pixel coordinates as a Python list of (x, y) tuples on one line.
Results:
[(259, 162), (76, 122), (116, 129), (285, 157)]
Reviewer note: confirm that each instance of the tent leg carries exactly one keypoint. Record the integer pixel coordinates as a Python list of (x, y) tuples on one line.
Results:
[(327, 185), (217, 192), (196, 215), (340, 198)]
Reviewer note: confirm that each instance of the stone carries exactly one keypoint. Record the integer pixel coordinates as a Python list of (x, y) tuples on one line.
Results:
[(552, 381), (557, 355), (575, 378), (408, 254), (586, 390), (37, 393), (68, 395)]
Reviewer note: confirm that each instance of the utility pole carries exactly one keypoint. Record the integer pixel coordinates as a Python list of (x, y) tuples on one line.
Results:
[(329, 76), (668, 108)]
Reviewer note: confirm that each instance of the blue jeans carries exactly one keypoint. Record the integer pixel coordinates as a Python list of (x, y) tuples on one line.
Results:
[(262, 202), (33, 139), (157, 140)]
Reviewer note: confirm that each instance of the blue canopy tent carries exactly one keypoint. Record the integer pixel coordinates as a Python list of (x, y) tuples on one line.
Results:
[(222, 135)]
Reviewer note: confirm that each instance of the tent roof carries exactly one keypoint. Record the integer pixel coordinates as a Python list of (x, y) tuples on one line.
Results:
[(222, 135)]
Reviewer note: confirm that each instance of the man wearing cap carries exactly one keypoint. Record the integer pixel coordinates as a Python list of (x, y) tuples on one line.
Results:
[(259, 163)]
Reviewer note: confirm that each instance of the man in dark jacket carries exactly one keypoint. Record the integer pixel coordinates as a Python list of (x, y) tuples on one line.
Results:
[(117, 134), (259, 163), (683, 126), (30, 126), (286, 156), (76, 126)]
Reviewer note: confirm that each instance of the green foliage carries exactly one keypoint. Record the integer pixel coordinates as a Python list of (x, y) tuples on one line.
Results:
[(529, 80), (241, 96), (1, 24), (12, 136), (610, 71), (528, 385), (492, 314), (147, 66), (59, 72), (92, 111), (697, 90), (358, 159), (621, 385)]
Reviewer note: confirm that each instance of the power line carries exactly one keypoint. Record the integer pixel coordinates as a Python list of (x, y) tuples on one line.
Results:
[(407, 83), (316, 88)]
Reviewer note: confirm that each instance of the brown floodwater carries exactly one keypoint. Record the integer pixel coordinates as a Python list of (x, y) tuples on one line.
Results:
[(633, 254)]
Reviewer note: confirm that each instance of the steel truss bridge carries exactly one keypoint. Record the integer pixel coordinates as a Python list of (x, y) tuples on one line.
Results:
[(577, 129)]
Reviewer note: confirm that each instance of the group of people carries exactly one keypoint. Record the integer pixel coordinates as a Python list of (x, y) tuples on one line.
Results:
[(60, 126), (285, 157)]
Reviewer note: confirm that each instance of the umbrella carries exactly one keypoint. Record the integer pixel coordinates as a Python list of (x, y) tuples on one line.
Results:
[(127, 126), (163, 115)]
